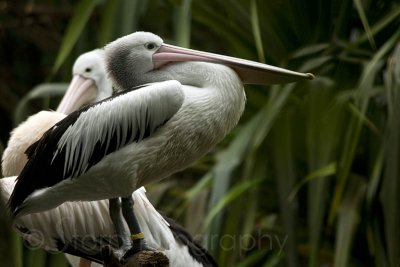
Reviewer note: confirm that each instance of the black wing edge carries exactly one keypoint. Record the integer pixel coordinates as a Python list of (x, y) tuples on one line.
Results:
[(96, 256), (199, 253), (40, 172)]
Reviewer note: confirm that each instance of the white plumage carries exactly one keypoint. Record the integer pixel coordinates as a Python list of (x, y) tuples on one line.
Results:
[(14, 157), (89, 82), (212, 104), (74, 225), (88, 227), (159, 103), (204, 101)]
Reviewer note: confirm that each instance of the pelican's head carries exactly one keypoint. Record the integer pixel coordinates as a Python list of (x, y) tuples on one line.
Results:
[(89, 82), (130, 60)]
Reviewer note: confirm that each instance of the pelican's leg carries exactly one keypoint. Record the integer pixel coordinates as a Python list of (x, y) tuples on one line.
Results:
[(138, 242), (118, 221)]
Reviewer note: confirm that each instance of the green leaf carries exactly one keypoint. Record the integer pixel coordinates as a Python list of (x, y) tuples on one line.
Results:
[(108, 20), (58, 260), (316, 62), (11, 246), (193, 192), (386, 20), (274, 260), (227, 161), (36, 257), (128, 17), (248, 140), (284, 168), (82, 13), (255, 25), (278, 97), (200, 185), (353, 133), (348, 220), (367, 122), (310, 50), (182, 25), (391, 183), (40, 91), (234, 193), (365, 23), (253, 258), (322, 172)]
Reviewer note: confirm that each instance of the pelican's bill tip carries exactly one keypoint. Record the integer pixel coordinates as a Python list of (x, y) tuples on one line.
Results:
[(310, 76)]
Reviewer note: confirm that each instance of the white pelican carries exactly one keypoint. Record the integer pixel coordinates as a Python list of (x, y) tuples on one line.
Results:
[(73, 227), (111, 148), (89, 82)]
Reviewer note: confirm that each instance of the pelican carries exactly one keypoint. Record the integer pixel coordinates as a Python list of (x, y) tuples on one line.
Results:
[(73, 227), (89, 82), (174, 105)]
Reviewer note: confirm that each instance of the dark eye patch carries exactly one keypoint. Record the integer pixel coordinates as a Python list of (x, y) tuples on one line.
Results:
[(150, 46)]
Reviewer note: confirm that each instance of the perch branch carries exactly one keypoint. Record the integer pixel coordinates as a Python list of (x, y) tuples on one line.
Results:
[(141, 259)]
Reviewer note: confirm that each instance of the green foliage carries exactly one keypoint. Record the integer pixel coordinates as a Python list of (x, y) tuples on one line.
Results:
[(41, 91), (311, 174), (82, 13)]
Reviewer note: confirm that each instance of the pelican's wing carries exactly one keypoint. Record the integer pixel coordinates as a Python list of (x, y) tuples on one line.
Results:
[(197, 253), (152, 223), (78, 228), (82, 139)]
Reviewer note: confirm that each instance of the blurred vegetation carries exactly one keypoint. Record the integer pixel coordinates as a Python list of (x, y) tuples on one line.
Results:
[(310, 177)]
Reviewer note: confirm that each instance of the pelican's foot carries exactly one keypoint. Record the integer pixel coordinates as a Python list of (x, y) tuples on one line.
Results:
[(138, 245), (121, 252), (110, 257), (115, 257)]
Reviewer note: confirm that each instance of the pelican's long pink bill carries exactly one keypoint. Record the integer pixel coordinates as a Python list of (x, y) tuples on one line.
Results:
[(81, 91), (250, 72)]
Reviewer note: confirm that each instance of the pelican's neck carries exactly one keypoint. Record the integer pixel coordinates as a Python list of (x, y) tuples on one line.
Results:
[(213, 90), (196, 74), (214, 101), (104, 87)]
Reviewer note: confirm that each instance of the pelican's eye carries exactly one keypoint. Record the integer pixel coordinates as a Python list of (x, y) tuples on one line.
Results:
[(150, 46), (88, 70)]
